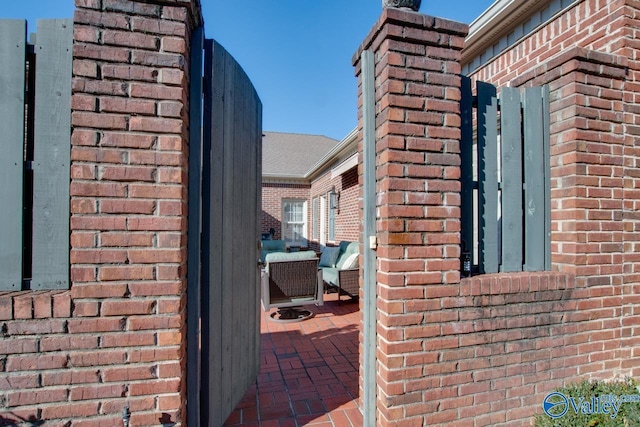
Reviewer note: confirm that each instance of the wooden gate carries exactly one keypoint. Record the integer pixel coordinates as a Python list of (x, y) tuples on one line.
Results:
[(225, 203)]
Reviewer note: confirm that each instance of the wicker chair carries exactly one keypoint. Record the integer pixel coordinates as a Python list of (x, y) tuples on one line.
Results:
[(343, 278), (290, 281), (349, 282)]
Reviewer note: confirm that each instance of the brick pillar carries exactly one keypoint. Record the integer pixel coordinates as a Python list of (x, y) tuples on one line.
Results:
[(129, 207), (418, 206)]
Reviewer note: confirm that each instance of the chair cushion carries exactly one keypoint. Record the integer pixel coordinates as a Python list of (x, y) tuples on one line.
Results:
[(329, 256), (349, 249), (271, 246), (330, 275), (287, 256), (351, 261)]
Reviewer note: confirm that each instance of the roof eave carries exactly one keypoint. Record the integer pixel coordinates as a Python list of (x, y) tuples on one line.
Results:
[(493, 23), (343, 147), (274, 178)]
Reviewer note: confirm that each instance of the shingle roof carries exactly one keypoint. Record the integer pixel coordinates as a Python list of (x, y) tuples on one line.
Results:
[(293, 154)]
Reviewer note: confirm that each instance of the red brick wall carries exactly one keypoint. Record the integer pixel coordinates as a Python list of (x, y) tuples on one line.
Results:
[(600, 25), (585, 56), (486, 350), (418, 209), (272, 195), (116, 337), (347, 216)]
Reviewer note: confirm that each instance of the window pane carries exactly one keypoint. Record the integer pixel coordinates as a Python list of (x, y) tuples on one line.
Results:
[(293, 221)]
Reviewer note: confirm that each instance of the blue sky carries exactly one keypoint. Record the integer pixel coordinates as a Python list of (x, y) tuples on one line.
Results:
[(297, 52)]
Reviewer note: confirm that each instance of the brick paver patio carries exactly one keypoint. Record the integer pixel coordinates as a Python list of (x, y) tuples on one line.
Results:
[(309, 372)]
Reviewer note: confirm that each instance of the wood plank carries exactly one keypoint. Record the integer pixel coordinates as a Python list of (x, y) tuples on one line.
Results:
[(194, 364), (227, 355), (246, 237), (254, 212), (369, 254), (213, 150), (52, 155), (488, 236), (511, 179), (546, 135), (12, 86), (240, 283), (466, 168), (534, 192), (258, 148)]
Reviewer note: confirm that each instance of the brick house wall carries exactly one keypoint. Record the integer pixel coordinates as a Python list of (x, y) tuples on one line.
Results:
[(474, 351), (347, 216), (272, 195), (486, 350), (117, 337), (586, 56)]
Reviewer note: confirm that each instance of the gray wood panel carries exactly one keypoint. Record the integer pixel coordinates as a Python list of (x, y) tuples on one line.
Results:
[(52, 147), (466, 167), (511, 179), (229, 262), (534, 192), (369, 217), (233, 125), (546, 135), (212, 245), (12, 86), (488, 235), (254, 209), (194, 232)]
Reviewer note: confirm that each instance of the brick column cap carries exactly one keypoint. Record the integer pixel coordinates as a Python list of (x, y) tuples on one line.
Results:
[(397, 24), (194, 7), (587, 60)]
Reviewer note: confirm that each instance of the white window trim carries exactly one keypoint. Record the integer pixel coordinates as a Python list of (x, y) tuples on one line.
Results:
[(316, 218), (323, 220)]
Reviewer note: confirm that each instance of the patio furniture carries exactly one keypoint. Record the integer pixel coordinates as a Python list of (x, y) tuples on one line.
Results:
[(289, 281), (271, 246), (344, 274)]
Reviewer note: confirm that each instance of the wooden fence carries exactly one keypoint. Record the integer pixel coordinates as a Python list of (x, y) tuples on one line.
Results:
[(35, 124), (506, 220)]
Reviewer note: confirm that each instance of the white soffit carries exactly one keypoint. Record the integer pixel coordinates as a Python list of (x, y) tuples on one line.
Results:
[(345, 166), (494, 22)]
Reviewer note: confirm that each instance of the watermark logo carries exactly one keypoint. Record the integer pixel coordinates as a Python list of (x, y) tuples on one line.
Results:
[(556, 404)]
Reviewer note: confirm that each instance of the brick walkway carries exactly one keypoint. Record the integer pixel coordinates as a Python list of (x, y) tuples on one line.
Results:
[(309, 372)]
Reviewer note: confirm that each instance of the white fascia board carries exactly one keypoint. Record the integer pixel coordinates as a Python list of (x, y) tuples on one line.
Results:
[(345, 166), (347, 142), (497, 20)]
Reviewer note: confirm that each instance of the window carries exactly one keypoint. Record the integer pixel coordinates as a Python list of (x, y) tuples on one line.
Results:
[(294, 222), (316, 218), (333, 207)]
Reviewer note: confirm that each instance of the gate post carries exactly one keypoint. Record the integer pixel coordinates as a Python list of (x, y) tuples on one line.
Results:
[(129, 181), (417, 171)]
